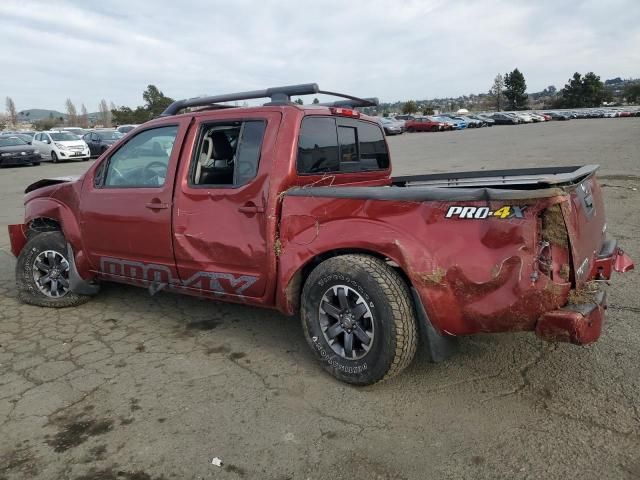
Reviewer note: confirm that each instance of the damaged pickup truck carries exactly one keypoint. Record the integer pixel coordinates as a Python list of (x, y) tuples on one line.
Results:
[(294, 208)]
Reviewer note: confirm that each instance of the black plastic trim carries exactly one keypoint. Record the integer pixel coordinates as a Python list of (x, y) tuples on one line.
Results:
[(76, 283), (440, 347)]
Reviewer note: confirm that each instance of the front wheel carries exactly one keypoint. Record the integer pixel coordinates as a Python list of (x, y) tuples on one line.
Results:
[(358, 319), (54, 157), (42, 273)]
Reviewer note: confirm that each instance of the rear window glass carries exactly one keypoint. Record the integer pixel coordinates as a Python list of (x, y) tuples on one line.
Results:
[(340, 145)]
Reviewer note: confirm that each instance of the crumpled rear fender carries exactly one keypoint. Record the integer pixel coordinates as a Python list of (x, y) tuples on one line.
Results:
[(472, 276)]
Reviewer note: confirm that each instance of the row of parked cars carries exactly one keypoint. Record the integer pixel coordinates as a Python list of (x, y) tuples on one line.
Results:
[(454, 121), (69, 143)]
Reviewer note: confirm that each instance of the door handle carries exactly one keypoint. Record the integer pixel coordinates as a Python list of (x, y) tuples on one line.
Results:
[(250, 208), (157, 205)]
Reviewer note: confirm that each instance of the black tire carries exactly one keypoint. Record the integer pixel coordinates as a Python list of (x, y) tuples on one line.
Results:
[(392, 320), (54, 157), (35, 164), (410, 130), (28, 289)]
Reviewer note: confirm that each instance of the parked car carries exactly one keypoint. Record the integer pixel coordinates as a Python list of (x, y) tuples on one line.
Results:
[(100, 140), (471, 122), (405, 117), (391, 127), (504, 119), (558, 116), (425, 124), (59, 145), (25, 137), (455, 123), (488, 121), (536, 117), (15, 151), (75, 130), (124, 129), (294, 208)]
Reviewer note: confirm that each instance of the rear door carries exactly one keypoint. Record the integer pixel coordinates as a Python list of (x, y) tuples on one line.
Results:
[(126, 207), (220, 216)]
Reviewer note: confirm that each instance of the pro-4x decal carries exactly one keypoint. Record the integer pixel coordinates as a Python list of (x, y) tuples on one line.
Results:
[(479, 213)]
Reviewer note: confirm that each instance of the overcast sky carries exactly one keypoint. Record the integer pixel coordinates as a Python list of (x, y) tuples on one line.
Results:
[(396, 50)]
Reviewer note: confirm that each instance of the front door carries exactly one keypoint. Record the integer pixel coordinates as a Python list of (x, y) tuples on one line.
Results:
[(126, 208), (220, 218)]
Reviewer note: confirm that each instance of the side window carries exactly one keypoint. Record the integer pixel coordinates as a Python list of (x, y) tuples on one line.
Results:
[(143, 160), (348, 147), (228, 154), (318, 146), (38, 137), (340, 145), (373, 149)]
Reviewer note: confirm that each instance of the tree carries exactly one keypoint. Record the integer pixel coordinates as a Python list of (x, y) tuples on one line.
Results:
[(632, 93), (587, 91), (496, 92), (427, 110), (72, 114), (12, 113), (409, 107), (126, 115), (515, 90), (156, 101), (316, 101), (84, 117), (104, 113), (299, 101)]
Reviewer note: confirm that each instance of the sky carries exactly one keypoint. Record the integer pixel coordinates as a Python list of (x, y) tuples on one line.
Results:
[(395, 50)]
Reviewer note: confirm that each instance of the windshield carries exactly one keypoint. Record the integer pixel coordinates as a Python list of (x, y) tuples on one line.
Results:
[(11, 141), (109, 135), (64, 137)]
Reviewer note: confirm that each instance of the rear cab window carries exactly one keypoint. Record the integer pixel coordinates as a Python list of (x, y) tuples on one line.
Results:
[(340, 145)]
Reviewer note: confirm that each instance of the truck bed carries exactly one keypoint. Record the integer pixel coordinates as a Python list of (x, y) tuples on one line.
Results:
[(520, 178), (509, 184)]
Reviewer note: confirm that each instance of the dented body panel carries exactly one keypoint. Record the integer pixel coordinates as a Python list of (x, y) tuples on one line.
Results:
[(514, 250), (472, 275)]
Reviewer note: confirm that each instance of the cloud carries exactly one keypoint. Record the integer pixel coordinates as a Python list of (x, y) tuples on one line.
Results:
[(390, 49)]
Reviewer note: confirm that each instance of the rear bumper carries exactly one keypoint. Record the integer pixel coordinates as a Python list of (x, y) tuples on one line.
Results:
[(578, 324), (581, 323)]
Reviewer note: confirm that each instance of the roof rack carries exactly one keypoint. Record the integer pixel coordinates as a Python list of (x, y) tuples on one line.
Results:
[(278, 96)]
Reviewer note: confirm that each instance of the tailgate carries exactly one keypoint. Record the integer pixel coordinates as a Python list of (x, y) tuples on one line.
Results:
[(586, 225)]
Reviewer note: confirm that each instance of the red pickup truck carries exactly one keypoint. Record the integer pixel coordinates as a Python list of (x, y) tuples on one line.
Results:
[(294, 208)]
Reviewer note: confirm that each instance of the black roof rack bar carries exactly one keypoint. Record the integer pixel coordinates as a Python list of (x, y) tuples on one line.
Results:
[(277, 94), (351, 103)]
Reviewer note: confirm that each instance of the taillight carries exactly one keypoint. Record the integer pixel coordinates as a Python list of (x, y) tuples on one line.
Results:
[(344, 112)]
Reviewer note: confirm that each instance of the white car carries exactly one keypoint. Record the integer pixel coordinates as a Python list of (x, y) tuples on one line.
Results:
[(60, 146), (525, 117)]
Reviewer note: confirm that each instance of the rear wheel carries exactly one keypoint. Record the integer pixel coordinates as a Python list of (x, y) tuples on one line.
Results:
[(42, 273), (54, 157), (358, 319)]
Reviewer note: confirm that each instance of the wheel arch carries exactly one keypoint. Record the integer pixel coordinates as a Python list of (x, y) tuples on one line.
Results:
[(288, 297), (49, 214)]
